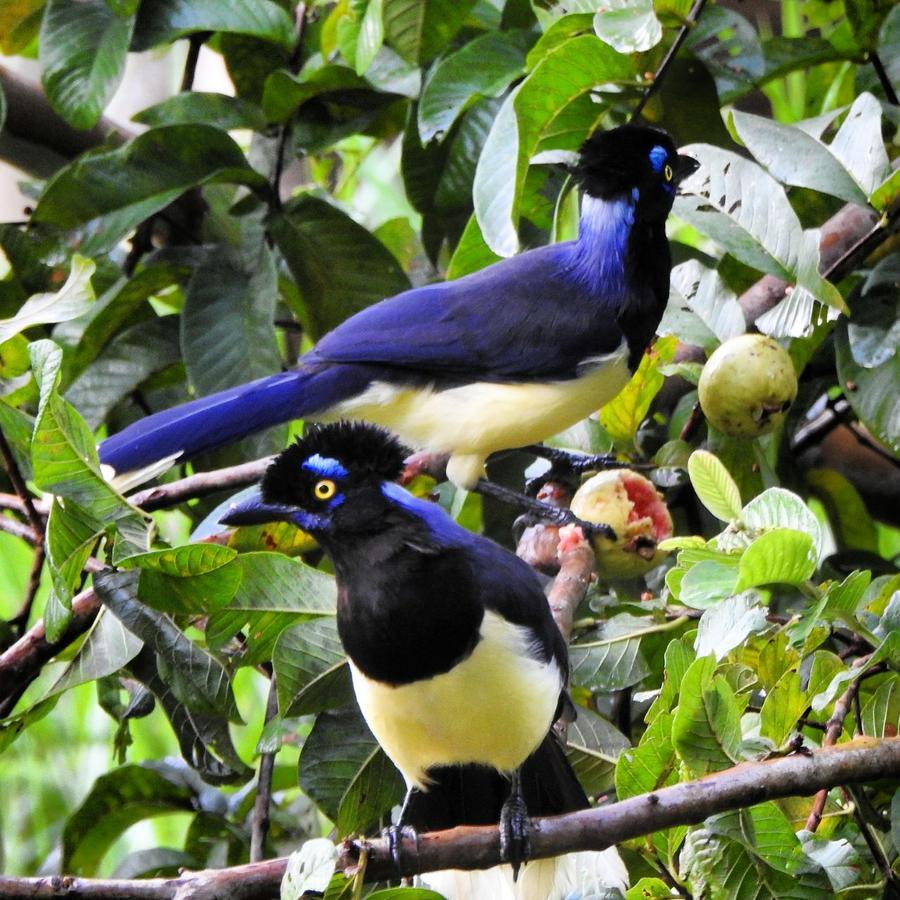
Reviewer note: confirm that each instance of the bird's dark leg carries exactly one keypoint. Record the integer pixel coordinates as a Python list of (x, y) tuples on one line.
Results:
[(554, 515), (515, 828), (394, 833), (572, 462)]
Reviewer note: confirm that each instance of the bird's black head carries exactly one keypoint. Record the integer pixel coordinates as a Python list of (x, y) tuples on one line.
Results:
[(328, 481), (633, 161)]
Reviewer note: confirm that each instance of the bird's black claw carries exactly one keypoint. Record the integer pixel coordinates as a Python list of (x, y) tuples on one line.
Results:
[(598, 529), (395, 835), (515, 833)]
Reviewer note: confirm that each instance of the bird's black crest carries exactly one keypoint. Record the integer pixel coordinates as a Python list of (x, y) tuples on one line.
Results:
[(360, 448), (610, 162)]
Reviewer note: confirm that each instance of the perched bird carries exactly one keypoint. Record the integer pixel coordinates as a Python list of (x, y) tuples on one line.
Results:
[(499, 359), (457, 664)]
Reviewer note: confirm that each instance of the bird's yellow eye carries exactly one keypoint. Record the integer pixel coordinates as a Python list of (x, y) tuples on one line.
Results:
[(667, 172), (324, 489)]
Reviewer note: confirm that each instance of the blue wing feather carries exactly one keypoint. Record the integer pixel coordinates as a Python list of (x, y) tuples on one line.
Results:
[(528, 317)]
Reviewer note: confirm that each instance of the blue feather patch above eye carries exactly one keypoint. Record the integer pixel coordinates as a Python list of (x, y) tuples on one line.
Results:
[(658, 157), (325, 466)]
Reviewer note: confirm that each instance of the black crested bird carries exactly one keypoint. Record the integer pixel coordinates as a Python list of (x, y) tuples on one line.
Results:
[(502, 358), (457, 664)]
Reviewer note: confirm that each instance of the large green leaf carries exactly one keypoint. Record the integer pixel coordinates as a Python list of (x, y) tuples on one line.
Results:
[(319, 242), (196, 677), (739, 205), (868, 363), (782, 556), (166, 20), (285, 93), (612, 658), (729, 624), (630, 26), (65, 460), (346, 773), (123, 366), (782, 708), (227, 325), (535, 110), (419, 29), (275, 592), (311, 668), (220, 110), (115, 190), (593, 745), (714, 485), (483, 67), (83, 47), (73, 299), (706, 731), (117, 801)]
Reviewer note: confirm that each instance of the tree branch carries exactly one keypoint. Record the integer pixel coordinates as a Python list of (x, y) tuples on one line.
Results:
[(259, 824), (18, 483), (479, 847)]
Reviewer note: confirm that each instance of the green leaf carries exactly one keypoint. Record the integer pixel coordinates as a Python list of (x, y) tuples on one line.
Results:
[(309, 869), (275, 592), (124, 365), (702, 291), (117, 801), (778, 508), (613, 660), (706, 731), (73, 299), (64, 457), (678, 656), (227, 325), (483, 67), (419, 29), (70, 538), (196, 678), (880, 712), (780, 556), (593, 745), (649, 889), (339, 763), (715, 487), (859, 144), (886, 194), (371, 35), (729, 624), (652, 764), (316, 240), (622, 416), (782, 708), (115, 190), (795, 157), (285, 93), (740, 206), (163, 21), (872, 389), (202, 107), (471, 253), (83, 47), (765, 831), (630, 26), (311, 668), (707, 584), (535, 110)]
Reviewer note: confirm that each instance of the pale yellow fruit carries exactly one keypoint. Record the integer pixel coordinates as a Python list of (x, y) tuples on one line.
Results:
[(630, 504), (747, 386)]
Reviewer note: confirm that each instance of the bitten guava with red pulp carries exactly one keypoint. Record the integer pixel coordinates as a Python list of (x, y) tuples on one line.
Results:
[(747, 386), (631, 505)]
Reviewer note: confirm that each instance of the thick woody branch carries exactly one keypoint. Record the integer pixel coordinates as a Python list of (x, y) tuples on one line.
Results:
[(479, 847)]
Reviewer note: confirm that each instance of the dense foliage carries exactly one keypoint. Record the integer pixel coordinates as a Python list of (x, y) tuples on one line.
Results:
[(372, 144)]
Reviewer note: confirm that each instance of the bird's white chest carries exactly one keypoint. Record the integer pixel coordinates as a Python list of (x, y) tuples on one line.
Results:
[(494, 708)]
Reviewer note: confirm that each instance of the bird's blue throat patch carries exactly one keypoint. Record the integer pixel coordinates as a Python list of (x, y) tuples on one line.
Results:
[(325, 466), (602, 244)]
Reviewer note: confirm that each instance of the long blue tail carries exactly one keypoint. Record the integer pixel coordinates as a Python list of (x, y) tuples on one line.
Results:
[(219, 419)]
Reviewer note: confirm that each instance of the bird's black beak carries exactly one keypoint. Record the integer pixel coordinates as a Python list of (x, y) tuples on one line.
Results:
[(684, 166), (255, 511)]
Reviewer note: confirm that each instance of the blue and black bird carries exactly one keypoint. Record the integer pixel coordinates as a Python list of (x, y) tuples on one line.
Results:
[(502, 358), (457, 664)]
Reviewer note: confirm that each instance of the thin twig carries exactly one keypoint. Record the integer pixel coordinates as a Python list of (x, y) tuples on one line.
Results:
[(833, 729), (20, 621), (259, 824), (672, 52), (18, 483), (284, 132), (20, 530), (882, 74), (195, 44)]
